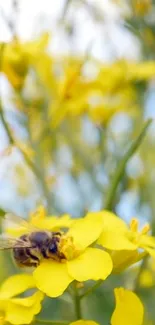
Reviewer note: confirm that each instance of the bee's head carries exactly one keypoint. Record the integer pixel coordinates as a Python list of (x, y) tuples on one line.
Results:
[(52, 248)]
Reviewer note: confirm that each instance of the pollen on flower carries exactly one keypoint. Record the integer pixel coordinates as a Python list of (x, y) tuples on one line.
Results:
[(68, 248)]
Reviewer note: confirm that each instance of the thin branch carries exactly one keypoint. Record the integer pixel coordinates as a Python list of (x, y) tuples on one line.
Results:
[(118, 174)]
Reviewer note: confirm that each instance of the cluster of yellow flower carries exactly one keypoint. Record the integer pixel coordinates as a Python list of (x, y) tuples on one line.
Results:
[(94, 247), (107, 90)]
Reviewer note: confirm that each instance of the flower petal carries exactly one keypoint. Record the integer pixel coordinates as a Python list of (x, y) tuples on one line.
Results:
[(39, 219), (146, 240), (22, 310), (114, 240), (86, 231), (30, 300), (52, 278), (93, 264), (123, 259), (16, 284), (84, 322), (151, 251), (110, 220), (115, 232), (54, 223), (129, 309)]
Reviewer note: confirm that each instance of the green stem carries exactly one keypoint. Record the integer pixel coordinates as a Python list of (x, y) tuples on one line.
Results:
[(77, 303), (77, 307), (6, 126), (52, 322), (90, 290), (121, 167)]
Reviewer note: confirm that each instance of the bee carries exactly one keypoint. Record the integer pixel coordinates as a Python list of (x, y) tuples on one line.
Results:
[(35, 245)]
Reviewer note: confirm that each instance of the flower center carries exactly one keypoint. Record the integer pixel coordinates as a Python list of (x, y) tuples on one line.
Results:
[(68, 248)]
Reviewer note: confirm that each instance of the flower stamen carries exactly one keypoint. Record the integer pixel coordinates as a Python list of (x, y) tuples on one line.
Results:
[(134, 225), (67, 247), (145, 229)]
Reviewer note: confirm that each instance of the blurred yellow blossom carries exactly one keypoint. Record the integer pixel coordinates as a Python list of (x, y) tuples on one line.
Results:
[(141, 7), (17, 310), (147, 275), (146, 279), (17, 56), (112, 91)]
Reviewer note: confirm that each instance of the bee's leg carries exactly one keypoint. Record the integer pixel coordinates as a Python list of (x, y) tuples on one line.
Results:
[(27, 263), (58, 233)]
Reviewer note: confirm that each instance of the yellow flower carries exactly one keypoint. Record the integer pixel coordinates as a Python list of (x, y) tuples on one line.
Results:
[(19, 310), (116, 235), (109, 104), (81, 262), (123, 241), (39, 220), (129, 309)]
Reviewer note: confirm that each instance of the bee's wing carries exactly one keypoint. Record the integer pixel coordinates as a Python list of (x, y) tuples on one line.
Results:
[(16, 221), (8, 243)]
